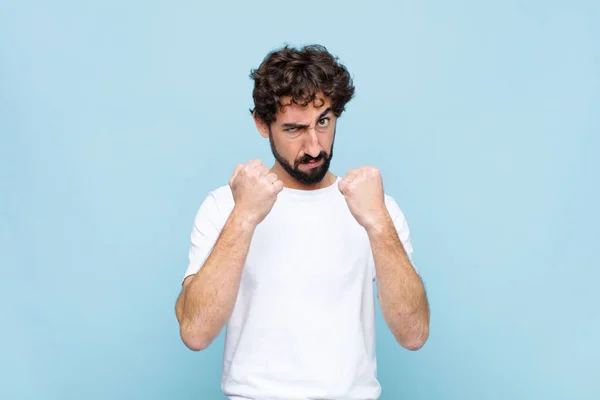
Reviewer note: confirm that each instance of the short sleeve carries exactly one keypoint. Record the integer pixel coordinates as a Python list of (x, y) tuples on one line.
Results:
[(402, 229), (401, 225), (205, 232)]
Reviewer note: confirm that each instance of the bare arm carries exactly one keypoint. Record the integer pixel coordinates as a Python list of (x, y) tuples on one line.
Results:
[(401, 292), (208, 297)]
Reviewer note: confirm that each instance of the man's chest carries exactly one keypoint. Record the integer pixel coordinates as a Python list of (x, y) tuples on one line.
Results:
[(296, 249)]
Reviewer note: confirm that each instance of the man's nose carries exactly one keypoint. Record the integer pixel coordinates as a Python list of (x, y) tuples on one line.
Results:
[(313, 148)]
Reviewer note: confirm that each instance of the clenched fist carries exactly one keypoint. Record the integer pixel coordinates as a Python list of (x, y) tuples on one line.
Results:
[(363, 190), (254, 190)]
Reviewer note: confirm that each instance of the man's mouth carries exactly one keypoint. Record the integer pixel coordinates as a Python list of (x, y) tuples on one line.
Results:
[(313, 163)]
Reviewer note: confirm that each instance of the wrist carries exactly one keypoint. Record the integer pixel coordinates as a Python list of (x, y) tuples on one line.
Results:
[(378, 224), (242, 219)]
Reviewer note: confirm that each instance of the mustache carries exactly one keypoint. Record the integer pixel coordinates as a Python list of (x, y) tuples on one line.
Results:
[(306, 158)]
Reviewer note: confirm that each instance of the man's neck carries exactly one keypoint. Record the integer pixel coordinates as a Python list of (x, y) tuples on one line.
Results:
[(292, 183)]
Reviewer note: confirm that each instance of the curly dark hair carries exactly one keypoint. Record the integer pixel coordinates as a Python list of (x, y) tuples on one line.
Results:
[(299, 74)]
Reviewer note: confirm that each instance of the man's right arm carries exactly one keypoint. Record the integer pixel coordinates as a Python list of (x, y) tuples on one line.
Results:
[(207, 298)]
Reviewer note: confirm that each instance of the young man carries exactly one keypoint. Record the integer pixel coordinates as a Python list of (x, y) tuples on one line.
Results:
[(285, 257)]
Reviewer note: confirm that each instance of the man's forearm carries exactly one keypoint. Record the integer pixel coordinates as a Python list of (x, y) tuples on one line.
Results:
[(207, 301), (401, 292)]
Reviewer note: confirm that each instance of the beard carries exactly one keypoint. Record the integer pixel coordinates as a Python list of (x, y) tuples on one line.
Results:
[(311, 177)]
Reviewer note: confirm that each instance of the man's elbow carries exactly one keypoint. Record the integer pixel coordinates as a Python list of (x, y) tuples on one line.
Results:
[(415, 341), (194, 341), (412, 345)]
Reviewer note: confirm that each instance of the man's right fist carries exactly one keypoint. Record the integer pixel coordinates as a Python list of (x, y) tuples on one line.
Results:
[(254, 190)]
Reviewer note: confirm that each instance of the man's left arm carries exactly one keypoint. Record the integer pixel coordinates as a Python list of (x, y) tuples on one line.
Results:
[(401, 292)]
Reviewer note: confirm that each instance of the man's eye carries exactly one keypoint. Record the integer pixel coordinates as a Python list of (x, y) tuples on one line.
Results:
[(323, 122), (291, 130)]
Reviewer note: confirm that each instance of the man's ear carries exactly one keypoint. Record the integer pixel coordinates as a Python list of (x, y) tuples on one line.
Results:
[(261, 125)]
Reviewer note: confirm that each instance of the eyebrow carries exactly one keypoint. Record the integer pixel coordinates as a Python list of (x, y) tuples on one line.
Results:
[(302, 126)]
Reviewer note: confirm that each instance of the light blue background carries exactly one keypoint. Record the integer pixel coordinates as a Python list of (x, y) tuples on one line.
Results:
[(116, 118)]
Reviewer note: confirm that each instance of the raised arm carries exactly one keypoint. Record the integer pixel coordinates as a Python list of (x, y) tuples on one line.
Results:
[(207, 297), (401, 292)]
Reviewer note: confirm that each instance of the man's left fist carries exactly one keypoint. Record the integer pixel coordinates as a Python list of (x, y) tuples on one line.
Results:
[(363, 190)]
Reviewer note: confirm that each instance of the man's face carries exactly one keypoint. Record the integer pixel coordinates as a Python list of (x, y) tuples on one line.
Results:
[(302, 139)]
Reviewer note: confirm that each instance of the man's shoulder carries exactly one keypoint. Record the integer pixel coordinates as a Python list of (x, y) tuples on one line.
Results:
[(216, 205), (389, 200), (222, 194), (393, 207), (220, 198)]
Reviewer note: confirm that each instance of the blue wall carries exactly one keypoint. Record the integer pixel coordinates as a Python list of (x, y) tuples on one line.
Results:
[(115, 121)]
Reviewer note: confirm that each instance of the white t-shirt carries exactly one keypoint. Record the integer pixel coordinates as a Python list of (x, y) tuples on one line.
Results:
[(303, 326)]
